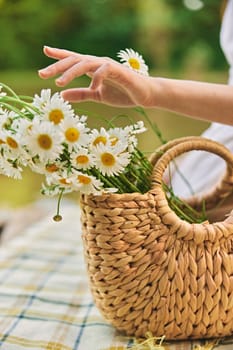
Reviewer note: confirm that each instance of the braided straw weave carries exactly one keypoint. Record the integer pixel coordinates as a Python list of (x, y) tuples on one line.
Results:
[(151, 271)]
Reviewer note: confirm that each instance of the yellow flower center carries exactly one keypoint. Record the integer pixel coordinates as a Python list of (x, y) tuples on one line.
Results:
[(85, 180), (100, 139), (56, 116), (72, 134), (64, 181), (114, 140), (82, 159), (108, 159), (11, 142), (134, 63), (51, 168), (44, 141), (1, 142)]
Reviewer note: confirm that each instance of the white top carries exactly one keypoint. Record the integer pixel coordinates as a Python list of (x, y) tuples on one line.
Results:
[(202, 169)]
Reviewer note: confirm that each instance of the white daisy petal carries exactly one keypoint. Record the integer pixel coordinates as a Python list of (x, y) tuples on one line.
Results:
[(46, 168), (82, 159), (99, 137), (88, 184), (75, 132), (57, 109), (10, 169), (41, 101), (110, 161), (133, 60), (62, 180), (118, 136), (44, 141)]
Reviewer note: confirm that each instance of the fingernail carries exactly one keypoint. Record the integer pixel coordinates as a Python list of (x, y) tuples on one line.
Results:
[(59, 81), (42, 73)]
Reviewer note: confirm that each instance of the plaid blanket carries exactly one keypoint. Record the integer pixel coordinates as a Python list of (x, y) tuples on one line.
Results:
[(45, 301)]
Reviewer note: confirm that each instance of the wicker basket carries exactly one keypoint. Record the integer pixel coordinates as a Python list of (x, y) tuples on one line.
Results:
[(151, 271)]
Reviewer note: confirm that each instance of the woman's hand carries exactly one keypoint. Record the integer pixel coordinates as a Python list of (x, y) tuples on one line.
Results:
[(111, 82)]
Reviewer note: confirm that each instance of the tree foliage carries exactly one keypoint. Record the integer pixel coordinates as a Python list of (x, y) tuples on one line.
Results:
[(91, 26), (164, 31), (197, 32)]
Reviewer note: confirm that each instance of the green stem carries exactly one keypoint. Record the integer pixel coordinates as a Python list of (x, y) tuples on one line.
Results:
[(20, 102), (14, 109), (58, 217), (23, 97), (153, 126), (118, 116), (129, 184), (180, 212), (108, 182), (6, 87)]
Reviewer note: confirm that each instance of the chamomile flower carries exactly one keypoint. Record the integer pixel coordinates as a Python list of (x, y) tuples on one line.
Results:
[(88, 184), (82, 159), (22, 126), (12, 145), (75, 132), (57, 109), (41, 101), (132, 131), (46, 168), (138, 128), (133, 60), (98, 137), (110, 160), (6, 118), (44, 141), (118, 136), (62, 179), (11, 169)]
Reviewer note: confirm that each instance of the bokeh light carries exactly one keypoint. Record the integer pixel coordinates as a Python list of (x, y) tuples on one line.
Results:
[(193, 5)]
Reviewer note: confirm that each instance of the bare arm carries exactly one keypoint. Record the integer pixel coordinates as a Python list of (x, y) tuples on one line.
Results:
[(199, 100), (114, 84)]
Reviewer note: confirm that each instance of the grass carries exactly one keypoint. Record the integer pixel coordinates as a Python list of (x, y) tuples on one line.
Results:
[(16, 193)]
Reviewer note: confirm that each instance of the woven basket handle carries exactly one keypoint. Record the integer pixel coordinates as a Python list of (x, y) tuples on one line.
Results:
[(174, 148)]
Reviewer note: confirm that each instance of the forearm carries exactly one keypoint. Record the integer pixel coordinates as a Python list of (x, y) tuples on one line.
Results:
[(206, 101)]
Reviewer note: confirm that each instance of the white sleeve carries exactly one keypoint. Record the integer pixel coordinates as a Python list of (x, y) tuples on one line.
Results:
[(226, 37)]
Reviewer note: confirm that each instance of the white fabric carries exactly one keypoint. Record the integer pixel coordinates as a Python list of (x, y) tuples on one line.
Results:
[(203, 170)]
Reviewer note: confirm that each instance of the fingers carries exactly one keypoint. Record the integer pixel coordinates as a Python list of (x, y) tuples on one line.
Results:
[(70, 65), (74, 66), (80, 94), (100, 75), (58, 67), (77, 70), (57, 54)]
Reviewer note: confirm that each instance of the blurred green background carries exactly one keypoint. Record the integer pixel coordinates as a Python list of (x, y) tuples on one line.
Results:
[(175, 40)]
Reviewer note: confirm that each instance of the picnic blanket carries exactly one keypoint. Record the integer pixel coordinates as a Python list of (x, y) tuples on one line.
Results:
[(45, 302)]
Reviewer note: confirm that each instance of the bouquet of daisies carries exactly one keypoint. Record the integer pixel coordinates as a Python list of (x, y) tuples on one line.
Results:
[(46, 135)]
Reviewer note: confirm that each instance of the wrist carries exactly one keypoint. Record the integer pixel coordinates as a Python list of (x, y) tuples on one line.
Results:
[(155, 87)]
